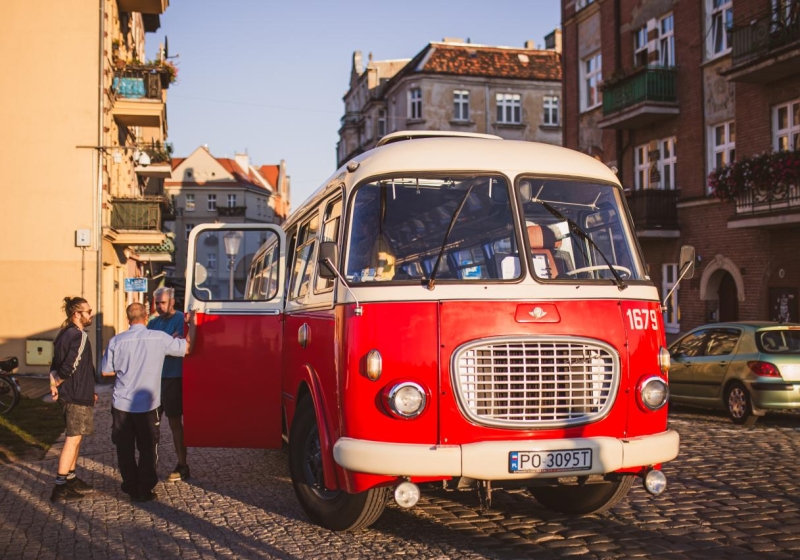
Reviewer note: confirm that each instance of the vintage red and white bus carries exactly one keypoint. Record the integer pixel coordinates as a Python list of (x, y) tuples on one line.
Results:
[(447, 308)]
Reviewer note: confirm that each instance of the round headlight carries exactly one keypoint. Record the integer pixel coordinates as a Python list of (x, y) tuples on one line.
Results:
[(406, 400), (664, 360), (653, 393)]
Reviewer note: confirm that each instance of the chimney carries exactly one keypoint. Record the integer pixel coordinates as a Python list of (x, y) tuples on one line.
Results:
[(243, 161), (358, 66), (552, 42), (452, 40), (530, 45)]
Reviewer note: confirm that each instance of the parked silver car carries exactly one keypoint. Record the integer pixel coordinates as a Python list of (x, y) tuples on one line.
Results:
[(746, 368)]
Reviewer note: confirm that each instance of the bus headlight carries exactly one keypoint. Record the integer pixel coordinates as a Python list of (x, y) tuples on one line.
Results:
[(664, 360), (652, 393), (405, 400)]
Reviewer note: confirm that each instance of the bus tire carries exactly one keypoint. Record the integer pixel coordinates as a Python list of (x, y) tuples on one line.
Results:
[(336, 510), (584, 499)]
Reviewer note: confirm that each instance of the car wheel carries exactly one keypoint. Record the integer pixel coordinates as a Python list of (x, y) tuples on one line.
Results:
[(336, 510), (739, 405), (584, 499)]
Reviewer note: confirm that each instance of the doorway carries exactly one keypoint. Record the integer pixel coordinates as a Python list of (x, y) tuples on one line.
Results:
[(728, 299)]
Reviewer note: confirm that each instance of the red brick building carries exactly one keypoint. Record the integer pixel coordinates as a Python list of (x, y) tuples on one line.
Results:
[(668, 91)]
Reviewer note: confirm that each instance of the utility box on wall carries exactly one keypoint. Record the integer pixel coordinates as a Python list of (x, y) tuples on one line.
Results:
[(38, 352)]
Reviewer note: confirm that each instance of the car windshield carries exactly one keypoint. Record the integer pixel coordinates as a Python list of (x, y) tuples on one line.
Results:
[(783, 341), (578, 231), (401, 227)]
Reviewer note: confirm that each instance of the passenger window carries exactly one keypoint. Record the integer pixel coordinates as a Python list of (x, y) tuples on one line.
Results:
[(304, 259), (263, 280), (330, 232), (721, 342), (692, 345)]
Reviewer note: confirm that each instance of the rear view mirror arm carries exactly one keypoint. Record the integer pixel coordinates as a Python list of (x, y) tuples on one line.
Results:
[(358, 310), (685, 269)]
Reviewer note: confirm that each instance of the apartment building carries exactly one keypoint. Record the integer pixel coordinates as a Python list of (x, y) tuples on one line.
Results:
[(455, 85), (206, 189), (84, 154), (697, 104)]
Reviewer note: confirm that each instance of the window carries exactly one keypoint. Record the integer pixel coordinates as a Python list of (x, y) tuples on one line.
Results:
[(672, 313), (303, 259), (721, 22), (189, 228), (231, 201), (656, 168), (211, 261), (722, 146), (580, 4), (692, 344), (212, 202), (786, 126), (722, 342), (330, 232), (415, 104), (190, 203), (640, 46), (666, 46), (550, 110), (382, 122), (591, 79), (460, 105), (509, 108)]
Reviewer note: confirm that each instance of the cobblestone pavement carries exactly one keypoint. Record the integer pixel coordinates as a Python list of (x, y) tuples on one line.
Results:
[(733, 493)]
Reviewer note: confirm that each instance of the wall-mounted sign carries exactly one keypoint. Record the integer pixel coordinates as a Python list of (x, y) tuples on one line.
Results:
[(136, 284)]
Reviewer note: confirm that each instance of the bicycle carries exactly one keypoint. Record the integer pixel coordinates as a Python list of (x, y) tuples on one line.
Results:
[(9, 388)]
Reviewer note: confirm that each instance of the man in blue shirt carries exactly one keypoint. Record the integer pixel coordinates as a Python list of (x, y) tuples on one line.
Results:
[(136, 357), (171, 322)]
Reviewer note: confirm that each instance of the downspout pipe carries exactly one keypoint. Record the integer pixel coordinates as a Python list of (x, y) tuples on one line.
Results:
[(99, 193)]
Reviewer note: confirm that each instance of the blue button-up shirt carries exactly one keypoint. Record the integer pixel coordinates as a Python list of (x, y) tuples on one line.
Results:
[(136, 356)]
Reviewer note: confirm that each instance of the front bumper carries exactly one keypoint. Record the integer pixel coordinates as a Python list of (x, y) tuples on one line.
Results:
[(488, 460)]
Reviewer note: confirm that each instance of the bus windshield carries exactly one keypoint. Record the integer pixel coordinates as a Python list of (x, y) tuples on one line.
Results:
[(578, 231), (454, 228)]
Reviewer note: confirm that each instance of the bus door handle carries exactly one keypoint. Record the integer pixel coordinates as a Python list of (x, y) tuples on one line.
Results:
[(303, 334)]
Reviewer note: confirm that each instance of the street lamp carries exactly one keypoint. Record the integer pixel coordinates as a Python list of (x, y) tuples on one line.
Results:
[(232, 241)]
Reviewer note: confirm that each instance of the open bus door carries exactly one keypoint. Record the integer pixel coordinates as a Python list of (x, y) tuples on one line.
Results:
[(232, 377)]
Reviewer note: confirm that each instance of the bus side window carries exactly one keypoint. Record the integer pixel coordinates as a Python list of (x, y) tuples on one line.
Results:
[(304, 259), (330, 232), (254, 278)]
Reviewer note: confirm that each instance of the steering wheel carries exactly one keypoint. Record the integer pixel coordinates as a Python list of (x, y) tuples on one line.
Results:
[(625, 272)]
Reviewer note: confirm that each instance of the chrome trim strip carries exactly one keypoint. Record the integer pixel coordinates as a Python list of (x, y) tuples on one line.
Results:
[(242, 311)]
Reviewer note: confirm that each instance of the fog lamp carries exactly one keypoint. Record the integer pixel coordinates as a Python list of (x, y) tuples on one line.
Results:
[(664, 360), (406, 400), (653, 393), (406, 494), (374, 365), (655, 482)]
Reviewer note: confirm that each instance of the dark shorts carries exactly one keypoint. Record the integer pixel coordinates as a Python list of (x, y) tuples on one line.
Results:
[(79, 419), (172, 397)]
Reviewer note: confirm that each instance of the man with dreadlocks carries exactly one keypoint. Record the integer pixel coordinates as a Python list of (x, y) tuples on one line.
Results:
[(72, 378)]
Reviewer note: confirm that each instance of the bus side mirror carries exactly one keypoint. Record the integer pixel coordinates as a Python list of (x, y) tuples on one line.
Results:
[(687, 261), (328, 256)]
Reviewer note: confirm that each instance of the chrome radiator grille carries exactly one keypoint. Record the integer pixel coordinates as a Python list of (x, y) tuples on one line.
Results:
[(535, 382)]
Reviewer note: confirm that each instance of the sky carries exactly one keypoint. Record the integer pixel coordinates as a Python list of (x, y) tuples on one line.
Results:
[(267, 78)]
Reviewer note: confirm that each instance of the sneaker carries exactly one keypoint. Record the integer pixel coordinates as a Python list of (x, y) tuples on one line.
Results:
[(65, 493), (180, 472), (149, 497), (79, 485)]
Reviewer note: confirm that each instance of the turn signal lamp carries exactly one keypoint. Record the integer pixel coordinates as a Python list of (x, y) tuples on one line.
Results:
[(652, 393), (664, 360), (374, 365), (764, 369)]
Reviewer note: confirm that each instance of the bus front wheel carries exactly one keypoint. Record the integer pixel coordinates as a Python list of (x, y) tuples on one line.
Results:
[(582, 499), (336, 510)]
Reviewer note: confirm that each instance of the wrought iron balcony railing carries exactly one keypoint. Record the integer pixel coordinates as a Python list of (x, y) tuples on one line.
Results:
[(231, 210), (652, 84), (767, 32), (764, 201), (137, 213), (138, 84), (654, 209), (159, 152)]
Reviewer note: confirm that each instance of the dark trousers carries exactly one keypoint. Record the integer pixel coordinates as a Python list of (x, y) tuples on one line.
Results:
[(132, 431)]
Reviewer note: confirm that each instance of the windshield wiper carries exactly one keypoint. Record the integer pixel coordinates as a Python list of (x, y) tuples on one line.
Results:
[(432, 280), (576, 229)]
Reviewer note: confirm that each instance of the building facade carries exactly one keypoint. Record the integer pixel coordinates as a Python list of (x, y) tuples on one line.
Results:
[(452, 85), (207, 189), (83, 158), (681, 97)]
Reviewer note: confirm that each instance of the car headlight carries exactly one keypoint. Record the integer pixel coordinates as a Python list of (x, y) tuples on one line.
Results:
[(652, 393), (405, 400)]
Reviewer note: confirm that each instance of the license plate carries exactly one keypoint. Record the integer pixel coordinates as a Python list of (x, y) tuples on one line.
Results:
[(549, 461)]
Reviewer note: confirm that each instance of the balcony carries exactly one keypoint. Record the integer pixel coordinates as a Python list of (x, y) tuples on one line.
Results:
[(144, 6), (654, 212), (137, 221), (647, 96), (766, 49), (138, 98), (231, 211), (776, 206), (160, 155)]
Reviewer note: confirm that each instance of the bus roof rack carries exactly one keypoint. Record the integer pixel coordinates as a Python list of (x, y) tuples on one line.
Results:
[(402, 135)]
